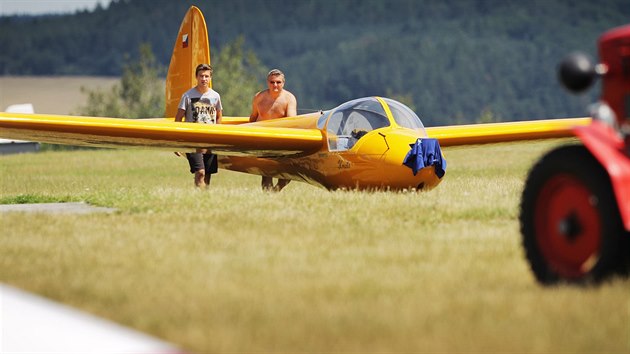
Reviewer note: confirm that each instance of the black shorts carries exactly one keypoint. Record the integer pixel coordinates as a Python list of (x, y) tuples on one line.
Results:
[(199, 161)]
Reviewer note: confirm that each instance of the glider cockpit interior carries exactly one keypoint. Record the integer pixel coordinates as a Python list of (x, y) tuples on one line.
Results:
[(353, 120)]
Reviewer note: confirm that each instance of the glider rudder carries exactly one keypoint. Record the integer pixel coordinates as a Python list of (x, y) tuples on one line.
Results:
[(191, 48)]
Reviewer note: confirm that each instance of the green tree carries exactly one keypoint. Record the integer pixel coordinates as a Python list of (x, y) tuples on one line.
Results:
[(488, 116), (238, 75), (140, 93), (406, 99)]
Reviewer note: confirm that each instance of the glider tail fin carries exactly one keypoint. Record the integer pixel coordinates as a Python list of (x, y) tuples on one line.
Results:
[(192, 48)]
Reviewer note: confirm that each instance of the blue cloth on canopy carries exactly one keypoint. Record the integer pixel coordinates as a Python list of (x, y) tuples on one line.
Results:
[(423, 153)]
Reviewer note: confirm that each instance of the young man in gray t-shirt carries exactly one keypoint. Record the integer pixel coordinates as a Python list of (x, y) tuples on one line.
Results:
[(201, 104)]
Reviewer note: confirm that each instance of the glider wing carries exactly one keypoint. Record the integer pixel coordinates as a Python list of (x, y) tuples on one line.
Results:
[(471, 134), (238, 140)]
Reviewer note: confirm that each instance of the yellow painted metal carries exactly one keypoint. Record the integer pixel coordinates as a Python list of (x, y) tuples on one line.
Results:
[(504, 132), (388, 112), (191, 48), (234, 120), (304, 121), (287, 148), (375, 162), (249, 140)]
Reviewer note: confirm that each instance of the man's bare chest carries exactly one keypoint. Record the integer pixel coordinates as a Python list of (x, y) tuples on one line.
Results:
[(270, 108)]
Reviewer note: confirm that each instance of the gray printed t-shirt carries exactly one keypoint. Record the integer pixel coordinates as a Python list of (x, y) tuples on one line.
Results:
[(201, 108)]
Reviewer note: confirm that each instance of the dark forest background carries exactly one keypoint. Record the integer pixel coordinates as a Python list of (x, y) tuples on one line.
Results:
[(452, 61)]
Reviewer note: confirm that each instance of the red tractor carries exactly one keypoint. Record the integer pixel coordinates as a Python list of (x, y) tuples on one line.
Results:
[(575, 207)]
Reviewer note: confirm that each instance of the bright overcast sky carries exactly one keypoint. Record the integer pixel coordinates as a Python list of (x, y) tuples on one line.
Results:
[(40, 7)]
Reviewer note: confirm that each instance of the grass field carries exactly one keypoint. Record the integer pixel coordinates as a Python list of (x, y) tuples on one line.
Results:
[(237, 270)]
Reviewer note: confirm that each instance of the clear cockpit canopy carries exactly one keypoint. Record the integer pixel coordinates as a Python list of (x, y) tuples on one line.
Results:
[(346, 124), (404, 116)]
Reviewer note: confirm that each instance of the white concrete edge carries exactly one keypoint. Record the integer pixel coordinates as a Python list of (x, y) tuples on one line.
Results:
[(33, 324)]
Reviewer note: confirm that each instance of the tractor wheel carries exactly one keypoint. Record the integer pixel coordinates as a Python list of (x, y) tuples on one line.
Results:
[(570, 222)]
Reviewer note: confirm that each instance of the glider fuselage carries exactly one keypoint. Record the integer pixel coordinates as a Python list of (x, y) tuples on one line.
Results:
[(363, 147)]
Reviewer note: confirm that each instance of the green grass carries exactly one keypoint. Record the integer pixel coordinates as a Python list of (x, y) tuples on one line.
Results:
[(234, 269)]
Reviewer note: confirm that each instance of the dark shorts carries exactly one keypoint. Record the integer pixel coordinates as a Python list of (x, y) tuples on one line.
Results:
[(207, 162)]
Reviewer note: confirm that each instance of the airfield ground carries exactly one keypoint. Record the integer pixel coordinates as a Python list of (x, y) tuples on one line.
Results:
[(234, 269)]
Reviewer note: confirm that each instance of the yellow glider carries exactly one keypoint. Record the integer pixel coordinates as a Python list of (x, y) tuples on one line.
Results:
[(367, 143)]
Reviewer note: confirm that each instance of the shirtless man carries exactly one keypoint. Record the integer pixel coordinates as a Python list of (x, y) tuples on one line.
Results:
[(274, 102)]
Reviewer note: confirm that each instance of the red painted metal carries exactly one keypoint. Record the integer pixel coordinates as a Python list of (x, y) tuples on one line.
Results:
[(567, 226), (610, 147)]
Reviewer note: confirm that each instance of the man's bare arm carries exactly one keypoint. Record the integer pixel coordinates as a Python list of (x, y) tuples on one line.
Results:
[(254, 115), (178, 118), (292, 106), (179, 115)]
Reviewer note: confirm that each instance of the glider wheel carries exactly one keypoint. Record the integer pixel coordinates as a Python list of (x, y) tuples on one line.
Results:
[(570, 223)]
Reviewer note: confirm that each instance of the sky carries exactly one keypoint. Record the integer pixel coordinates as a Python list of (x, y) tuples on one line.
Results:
[(40, 7)]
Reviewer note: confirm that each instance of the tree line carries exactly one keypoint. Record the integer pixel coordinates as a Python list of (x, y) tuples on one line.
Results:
[(452, 61)]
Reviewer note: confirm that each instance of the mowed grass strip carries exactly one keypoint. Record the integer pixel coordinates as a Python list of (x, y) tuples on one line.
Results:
[(233, 269)]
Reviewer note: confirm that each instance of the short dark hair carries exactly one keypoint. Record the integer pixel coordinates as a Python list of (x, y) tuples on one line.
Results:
[(203, 67)]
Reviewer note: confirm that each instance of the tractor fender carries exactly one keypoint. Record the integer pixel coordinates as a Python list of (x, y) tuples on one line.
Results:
[(608, 148)]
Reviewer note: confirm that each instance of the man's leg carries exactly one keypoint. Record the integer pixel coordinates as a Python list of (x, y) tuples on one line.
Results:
[(211, 166), (281, 184), (200, 177), (195, 161), (267, 183)]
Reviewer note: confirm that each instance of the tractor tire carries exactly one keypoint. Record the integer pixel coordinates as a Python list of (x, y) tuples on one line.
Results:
[(570, 223)]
